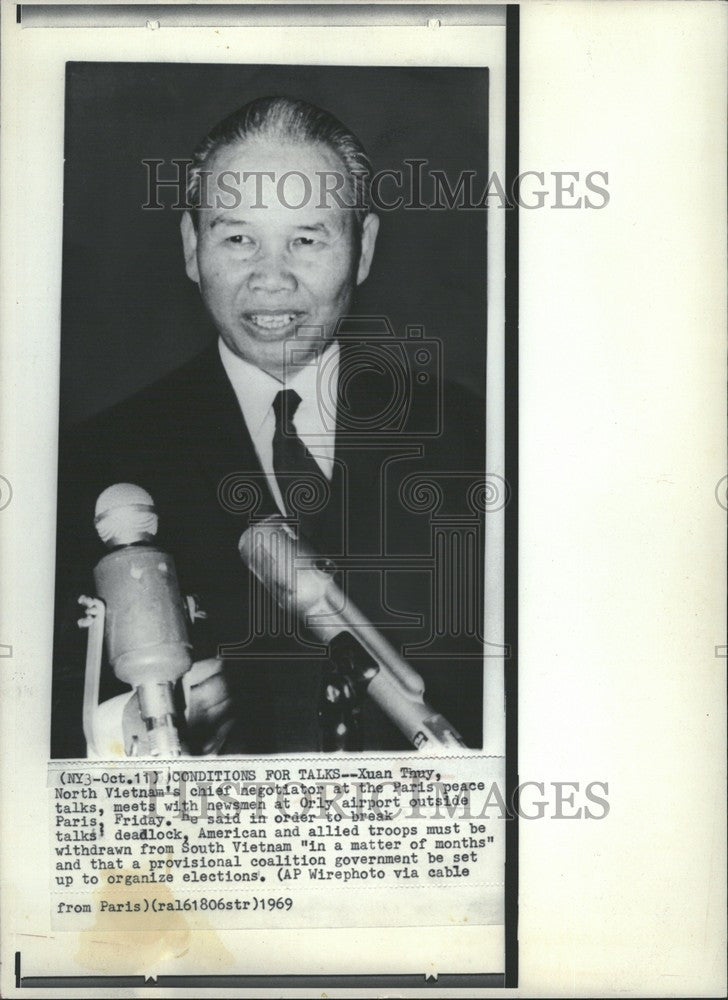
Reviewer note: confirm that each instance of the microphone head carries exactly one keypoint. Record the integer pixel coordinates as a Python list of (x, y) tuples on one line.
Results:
[(124, 515), (285, 564)]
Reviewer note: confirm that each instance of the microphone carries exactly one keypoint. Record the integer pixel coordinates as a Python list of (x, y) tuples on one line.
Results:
[(145, 629), (303, 583)]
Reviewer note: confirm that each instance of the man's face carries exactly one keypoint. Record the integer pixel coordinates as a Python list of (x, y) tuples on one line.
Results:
[(269, 274)]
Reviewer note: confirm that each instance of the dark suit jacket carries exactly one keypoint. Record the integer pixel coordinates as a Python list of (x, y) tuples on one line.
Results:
[(404, 494)]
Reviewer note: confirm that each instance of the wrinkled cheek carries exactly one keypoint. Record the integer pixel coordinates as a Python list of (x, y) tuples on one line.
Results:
[(344, 298), (343, 293), (219, 295)]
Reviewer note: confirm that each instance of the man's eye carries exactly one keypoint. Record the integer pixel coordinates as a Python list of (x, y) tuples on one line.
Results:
[(305, 241), (240, 239)]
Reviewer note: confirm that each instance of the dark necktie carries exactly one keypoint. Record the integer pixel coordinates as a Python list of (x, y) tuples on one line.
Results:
[(302, 484)]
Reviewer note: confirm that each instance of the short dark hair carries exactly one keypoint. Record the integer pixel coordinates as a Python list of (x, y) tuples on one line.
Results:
[(295, 121)]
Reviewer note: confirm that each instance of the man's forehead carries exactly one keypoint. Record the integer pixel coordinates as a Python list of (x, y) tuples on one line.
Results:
[(265, 155), (327, 222), (293, 183)]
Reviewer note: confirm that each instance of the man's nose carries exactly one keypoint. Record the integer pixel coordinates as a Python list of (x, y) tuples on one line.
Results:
[(271, 273)]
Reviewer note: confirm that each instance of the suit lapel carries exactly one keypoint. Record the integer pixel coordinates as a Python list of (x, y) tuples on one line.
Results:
[(220, 443)]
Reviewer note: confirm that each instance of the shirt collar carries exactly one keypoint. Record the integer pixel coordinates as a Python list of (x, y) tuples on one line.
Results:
[(256, 389)]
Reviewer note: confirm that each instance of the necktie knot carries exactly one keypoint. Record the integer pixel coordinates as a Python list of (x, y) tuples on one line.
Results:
[(285, 405)]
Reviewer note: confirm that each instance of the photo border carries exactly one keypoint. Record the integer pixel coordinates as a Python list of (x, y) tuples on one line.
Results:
[(464, 981)]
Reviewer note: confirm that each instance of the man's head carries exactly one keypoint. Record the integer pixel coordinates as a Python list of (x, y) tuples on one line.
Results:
[(282, 234)]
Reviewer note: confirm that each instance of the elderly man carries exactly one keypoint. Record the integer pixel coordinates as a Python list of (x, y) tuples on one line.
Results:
[(290, 410)]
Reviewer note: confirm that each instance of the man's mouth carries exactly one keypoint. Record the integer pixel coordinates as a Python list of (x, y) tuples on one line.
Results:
[(272, 320)]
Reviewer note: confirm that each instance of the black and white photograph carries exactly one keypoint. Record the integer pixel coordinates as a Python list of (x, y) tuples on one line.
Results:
[(273, 373)]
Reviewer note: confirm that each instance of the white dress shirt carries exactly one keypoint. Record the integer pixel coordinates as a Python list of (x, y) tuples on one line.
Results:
[(314, 420)]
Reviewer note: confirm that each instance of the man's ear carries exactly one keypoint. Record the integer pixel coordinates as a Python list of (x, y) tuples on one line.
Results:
[(189, 244), (368, 240)]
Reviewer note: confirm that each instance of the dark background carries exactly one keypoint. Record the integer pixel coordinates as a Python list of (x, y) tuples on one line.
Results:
[(129, 312)]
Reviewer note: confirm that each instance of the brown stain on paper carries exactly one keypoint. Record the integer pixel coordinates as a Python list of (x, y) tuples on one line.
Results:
[(135, 941)]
